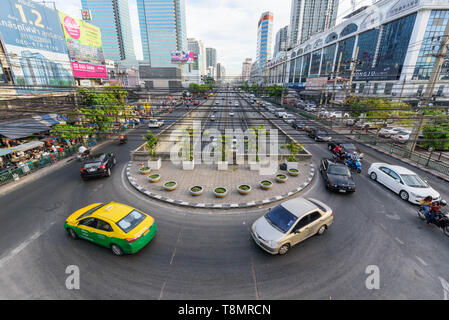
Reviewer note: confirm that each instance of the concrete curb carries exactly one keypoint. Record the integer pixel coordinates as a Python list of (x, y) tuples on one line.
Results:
[(221, 205)]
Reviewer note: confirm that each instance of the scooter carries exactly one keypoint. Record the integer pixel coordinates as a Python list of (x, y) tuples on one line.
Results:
[(123, 139), (83, 156), (441, 220), (355, 165), (339, 157)]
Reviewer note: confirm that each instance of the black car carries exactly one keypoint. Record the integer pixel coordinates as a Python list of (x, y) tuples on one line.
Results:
[(98, 165), (299, 124), (319, 134), (337, 176), (347, 147)]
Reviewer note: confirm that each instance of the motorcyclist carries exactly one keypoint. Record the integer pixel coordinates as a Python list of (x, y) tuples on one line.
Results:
[(83, 152), (426, 203), (435, 209)]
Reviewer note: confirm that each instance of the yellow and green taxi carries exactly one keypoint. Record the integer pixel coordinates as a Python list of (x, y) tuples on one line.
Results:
[(119, 227)]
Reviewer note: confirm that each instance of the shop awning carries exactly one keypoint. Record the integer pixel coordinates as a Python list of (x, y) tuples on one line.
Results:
[(51, 119), (5, 151), (22, 128), (27, 146)]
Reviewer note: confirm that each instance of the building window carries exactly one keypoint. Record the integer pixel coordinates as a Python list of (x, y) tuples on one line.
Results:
[(332, 37), (305, 68), (393, 46), (346, 47), (376, 86), (328, 60), (350, 28), (315, 65), (361, 87), (388, 88), (354, 86), (367, 43)]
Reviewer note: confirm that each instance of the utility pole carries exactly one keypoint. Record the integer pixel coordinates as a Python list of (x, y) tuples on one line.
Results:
[(336, 77), (435, 75), (354, 66)]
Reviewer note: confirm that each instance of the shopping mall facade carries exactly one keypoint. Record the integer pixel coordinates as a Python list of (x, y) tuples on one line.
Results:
[(393, 43)]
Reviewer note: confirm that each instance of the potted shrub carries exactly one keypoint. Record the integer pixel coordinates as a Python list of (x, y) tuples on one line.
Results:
[(220, 192), (170, 185), (281, 178), (196, 190), (266, 184), (244, 189), (154, 178), (145, 170), (294, 148), (151, 142), (293, 172)]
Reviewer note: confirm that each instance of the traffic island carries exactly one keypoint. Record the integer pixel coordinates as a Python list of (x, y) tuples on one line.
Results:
[(242, 185)]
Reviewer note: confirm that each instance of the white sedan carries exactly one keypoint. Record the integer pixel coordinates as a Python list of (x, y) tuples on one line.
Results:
[(388, 132), (402, 181), (402, 136), (288, 118)]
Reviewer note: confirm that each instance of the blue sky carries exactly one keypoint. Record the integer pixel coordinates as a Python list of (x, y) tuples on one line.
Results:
[(230, 26)]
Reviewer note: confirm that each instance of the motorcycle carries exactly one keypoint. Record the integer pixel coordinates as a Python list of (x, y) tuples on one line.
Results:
[(339, 157), (354, 164), (441, 220), (83, 156), (123, 139)]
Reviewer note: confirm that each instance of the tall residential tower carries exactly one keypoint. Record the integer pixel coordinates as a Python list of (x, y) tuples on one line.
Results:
[(264, 38)]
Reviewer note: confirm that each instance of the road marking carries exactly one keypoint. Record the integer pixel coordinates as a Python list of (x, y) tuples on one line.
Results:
[(382, 226), (399, 240), (255, 279), (422, 261), (22, 246), (393, 217), (162, 290), (445, 286)]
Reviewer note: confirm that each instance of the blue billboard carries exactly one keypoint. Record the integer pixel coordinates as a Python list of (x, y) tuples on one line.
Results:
[(35, 47)]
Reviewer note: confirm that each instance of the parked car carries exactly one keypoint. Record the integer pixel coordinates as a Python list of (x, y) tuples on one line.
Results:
[(402, 136), (337, 176), (290, 223), (319, 134), (231, 114), (338, 114), (402, 181), (349, 122), (388, 132), (98, 165), (310, 108), (299, 124), (155, 123), (212, 117)]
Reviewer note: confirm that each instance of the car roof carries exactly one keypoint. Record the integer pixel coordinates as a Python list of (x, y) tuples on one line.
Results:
[(397, 169), (299, 206), (95, 157), (113, 211)]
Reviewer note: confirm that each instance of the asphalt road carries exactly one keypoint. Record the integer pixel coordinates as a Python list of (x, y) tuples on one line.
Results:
[(199, 254)]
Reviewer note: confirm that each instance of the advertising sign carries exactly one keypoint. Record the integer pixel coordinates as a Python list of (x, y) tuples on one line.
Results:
[(85, 48), (34, 43), (182, 57)]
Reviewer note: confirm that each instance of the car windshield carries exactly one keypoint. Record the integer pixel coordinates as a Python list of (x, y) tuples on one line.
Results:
[(414, 181), (132, 220), (338, 170), (281, 218), (92, 165), (349, 147)]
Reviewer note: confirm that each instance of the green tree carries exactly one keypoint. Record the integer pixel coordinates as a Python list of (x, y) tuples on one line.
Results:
[(151, 142)]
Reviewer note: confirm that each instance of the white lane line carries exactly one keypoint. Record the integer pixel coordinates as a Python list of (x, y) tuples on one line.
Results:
[(422, 261), (22, 246), (445, 286), (162, 290), (399, 240), (382, 226)]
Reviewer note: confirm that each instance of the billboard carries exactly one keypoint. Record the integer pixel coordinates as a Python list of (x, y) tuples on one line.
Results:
[(35, 47), (182, 57), (85, 48)]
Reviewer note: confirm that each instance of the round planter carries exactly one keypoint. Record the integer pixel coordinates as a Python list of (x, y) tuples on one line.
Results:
[(282, 178), (266, 184), (293, 172), (145, 170), (170, 185), (196, 190), (220, 192), (244, 189), (154, 178)]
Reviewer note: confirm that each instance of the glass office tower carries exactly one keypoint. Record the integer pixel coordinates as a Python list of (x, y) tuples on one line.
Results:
[(264, 38), (113, 19), (163, 29)]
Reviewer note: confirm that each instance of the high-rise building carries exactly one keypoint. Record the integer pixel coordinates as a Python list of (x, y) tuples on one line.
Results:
[(221, 73), (280, 43), (264, 38), (246, 69), (211, 57), (196, 70), (162, 29), (308, 17), (112, 17)]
